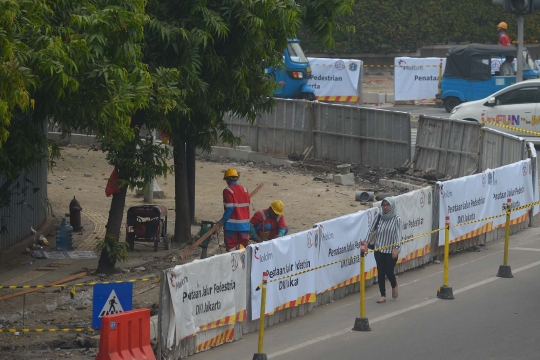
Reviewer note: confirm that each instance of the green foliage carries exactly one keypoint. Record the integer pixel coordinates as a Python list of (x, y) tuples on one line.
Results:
[(16, 79), (218, 48), (74, 63), (116, 251), (140, 161), (398, 26)]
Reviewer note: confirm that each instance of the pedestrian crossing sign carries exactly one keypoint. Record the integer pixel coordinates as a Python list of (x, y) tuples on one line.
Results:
[(112, 306), (110, 299)]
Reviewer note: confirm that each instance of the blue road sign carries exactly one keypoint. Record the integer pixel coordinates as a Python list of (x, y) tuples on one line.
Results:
[(110, 299)]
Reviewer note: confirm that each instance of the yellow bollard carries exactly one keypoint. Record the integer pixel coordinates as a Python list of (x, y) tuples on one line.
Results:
[(505, 270), (362, 323), (438, 102), (362, 285), (445, 291), (260, 355)]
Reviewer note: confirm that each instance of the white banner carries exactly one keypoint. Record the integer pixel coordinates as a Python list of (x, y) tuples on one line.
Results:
[(483, 195), (206, 294), (336, 79), (416, 79), (416, 211), (339, 240), (282, 258), (534, 157)]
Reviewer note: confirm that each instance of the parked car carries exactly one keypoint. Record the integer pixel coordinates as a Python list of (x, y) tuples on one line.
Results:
[(467, 74), (517, 105)]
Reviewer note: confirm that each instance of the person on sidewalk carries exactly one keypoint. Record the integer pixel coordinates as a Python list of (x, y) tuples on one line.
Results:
[(504, 39), (268, 224), (235, 218), (388, 238)]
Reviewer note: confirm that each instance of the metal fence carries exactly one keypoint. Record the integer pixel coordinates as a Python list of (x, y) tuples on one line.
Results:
[(361, 135), (26, 208), (459, 148), (451, 147), (280, 133), (499, 149), (341, 133)]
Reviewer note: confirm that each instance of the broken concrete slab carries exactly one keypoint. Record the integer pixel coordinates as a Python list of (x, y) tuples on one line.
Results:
[(344, 179)]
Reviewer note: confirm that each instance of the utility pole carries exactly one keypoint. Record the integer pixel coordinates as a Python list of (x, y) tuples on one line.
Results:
[(519, 74), (519, 8)]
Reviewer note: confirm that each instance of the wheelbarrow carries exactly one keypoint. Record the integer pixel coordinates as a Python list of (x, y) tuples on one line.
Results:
[(147, 223)]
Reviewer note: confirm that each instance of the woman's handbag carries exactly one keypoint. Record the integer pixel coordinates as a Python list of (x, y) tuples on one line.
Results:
[(373, 235)]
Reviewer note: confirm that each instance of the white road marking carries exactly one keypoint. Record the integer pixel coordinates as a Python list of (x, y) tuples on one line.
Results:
[(525, 249), (395, 313)]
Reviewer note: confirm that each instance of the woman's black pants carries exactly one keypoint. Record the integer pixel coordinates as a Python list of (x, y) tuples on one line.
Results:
[(385, 267)]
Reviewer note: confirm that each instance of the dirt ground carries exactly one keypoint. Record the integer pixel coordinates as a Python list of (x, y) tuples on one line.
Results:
[(308, 192), (376, 81)]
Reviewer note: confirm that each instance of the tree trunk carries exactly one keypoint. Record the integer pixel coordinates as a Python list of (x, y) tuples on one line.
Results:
[(116, 211), (114, 224), (190, 171), (182, 226)]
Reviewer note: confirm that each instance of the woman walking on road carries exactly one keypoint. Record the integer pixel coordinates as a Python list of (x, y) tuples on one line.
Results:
[(388, 237)]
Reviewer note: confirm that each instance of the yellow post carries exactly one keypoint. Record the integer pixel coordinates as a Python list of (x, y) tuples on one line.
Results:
[(440, 80), (261, 316), (362, 323), (438, 102), (362, 286), (446, 249), (445, 291), (504, 269), (507, 233)]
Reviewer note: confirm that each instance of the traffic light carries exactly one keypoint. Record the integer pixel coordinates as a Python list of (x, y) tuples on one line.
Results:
[(518, 7)]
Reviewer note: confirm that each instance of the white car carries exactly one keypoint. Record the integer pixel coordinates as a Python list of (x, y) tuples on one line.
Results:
[(517, 105)]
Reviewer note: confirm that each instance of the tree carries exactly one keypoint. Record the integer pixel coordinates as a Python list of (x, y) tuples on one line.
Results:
[(80, 67), (220, 47)]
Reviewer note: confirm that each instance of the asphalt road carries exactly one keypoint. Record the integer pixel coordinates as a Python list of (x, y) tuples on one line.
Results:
[(490, 317)]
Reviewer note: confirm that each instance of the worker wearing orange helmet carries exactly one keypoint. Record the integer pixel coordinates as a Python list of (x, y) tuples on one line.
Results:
[(504, 39), (235, 218), (268, 224)]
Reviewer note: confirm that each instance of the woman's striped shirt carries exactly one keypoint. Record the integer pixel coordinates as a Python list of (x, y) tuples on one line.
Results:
[(388, 233)]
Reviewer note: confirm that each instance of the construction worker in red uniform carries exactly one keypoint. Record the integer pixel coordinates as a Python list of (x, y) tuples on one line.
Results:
[(268, 224), (235, 218), (504, 39)]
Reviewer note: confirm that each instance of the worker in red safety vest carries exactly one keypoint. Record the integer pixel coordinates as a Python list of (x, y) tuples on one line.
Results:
[(504, 39), (235, 218), (268, 224)]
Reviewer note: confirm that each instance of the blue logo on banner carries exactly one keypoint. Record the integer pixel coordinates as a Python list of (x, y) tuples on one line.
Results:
[(111, 299)]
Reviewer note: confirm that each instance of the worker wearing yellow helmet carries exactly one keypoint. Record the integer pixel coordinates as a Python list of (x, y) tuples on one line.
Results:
[(504, 39), (268, 224), (235, 218)]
